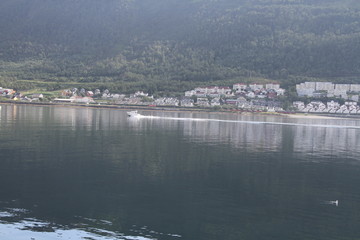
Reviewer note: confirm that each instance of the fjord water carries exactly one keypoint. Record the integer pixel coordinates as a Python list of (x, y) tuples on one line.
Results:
[(82, 173)]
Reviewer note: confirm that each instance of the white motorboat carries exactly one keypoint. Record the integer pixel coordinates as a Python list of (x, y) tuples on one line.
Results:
[(133, 114), (336, 202)]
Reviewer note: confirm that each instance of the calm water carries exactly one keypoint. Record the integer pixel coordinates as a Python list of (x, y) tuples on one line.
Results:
[(77, 173)]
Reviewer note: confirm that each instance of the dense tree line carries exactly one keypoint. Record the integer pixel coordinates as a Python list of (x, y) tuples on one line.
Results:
[(171, 45)]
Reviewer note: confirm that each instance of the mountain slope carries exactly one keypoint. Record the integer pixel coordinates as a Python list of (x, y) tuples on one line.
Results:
[(188, 41)]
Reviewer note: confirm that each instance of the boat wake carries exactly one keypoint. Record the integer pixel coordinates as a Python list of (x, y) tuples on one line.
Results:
[(335, 202), (249, 122)]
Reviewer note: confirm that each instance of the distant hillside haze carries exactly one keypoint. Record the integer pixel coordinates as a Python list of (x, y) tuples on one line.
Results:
[(153, 43)]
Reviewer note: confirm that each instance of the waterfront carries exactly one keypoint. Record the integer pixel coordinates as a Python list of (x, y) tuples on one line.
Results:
[(73, 173)]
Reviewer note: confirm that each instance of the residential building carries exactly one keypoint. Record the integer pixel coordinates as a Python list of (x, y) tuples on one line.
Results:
[(187, 102), (190, 93), (204, 102), (215, 102), (342, 87), (256, 86), (37, 95), (355, 88), (324, 86), (239, 87), (273, 86)]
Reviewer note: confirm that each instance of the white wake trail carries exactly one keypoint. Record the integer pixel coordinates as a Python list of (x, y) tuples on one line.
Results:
[(252, 122)]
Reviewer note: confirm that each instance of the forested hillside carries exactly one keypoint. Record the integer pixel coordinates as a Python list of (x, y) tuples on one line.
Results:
[(172, 45)]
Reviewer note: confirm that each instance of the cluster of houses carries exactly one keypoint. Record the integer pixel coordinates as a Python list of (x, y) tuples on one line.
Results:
[(329, 107), (73, 96), (141, 98), (84, 96), (255, 90), (328, 89), (6, 91), (348, 92), (254, 97), (251, 97), (78, 96), (11, 93)]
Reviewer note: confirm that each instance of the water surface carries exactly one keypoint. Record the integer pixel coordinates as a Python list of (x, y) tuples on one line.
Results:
[(80, 173)]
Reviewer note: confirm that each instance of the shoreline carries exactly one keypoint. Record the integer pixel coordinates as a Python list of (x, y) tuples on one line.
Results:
[(186, 109)]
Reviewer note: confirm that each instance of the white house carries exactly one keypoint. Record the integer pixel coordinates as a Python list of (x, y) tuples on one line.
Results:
[(274, 86), (250, 95), (239, 87), (38, 95), (224, 90), (203, 102), (215, 102), (355, 87), (140, 94), (187, 102), (256, 86), (190, 93), (324, 86), (342, 87)]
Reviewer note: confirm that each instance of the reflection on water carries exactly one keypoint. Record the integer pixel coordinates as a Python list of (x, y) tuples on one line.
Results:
[(327, 141), (17, 224), (82, 173), (263, 133)]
